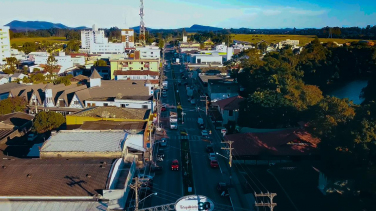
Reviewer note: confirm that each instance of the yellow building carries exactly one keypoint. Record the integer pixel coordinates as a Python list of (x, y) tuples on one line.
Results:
[(108, 114), (208, 43), (133, 64)]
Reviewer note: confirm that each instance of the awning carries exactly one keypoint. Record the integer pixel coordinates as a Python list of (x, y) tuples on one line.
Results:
[(135, 142)]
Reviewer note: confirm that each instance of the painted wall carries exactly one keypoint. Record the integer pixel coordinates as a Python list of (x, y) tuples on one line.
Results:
[(75, 103), (120, 102), (79, 120), (133, 65)]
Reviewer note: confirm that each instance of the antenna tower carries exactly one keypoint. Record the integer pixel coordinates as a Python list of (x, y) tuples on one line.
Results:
[(142, 24)]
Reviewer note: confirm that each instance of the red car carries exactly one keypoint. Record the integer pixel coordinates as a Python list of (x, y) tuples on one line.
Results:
[(163, 108), (175, 165), (214, 164)]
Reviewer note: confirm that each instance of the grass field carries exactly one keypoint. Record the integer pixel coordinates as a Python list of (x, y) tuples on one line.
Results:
[(304, 39), (21, 41)]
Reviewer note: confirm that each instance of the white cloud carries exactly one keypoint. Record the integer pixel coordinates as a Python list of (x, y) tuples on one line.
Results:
[(270, 12)]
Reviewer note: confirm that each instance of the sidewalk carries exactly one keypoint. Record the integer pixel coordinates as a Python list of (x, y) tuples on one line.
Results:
[(239, 200)]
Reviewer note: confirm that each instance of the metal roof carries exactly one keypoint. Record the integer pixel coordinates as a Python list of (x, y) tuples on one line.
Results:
[(86, 141), (52, 205)]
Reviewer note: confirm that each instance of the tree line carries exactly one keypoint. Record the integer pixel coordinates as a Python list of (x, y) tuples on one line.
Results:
[(285, 89)]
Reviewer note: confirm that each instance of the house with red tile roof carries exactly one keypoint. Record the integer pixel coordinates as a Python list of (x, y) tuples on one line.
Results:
[(229, 108), (273, 147)]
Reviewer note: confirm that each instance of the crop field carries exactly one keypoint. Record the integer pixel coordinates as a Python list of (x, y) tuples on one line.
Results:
[(304, 39), (21, 41)]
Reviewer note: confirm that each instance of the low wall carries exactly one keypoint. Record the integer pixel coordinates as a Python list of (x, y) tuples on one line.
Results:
[(80, 154)]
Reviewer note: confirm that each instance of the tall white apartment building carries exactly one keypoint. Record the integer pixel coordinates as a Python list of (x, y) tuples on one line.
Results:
[(4, 44), (149, 52), (95, 42), (65, 61)]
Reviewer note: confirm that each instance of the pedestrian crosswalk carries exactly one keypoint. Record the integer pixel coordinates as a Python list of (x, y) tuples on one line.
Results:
[(194, 137)]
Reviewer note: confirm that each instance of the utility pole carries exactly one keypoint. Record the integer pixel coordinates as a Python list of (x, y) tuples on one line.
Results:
[(230, 155), (270, 204), (135, 187), (206, 103)]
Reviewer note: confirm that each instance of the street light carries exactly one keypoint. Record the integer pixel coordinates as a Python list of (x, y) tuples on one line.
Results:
[(229, 163), (152, 194), (182, 116)]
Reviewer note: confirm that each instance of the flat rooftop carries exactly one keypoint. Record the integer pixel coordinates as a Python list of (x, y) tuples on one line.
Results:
[(54, 177), (85, 141), (114, 112)]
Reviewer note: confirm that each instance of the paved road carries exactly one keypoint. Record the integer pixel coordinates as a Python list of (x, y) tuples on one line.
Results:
[(167, 184), (205, 178)]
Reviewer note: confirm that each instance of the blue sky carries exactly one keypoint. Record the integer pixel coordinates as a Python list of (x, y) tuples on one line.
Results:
[(184, 13)]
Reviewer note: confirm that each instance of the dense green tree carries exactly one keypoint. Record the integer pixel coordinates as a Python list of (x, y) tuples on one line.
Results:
[(47, 121), (100, 63), (28, 47), (12, 104), (11, 65), (64, 80), (26, 80), (37, 78), (73, 45)]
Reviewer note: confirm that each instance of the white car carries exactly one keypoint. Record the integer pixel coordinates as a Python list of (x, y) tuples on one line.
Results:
[(212, 156), (204, 133)]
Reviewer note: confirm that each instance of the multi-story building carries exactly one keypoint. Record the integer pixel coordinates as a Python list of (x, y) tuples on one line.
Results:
[(4, 44), (127, 37), (133, 64), (149, 52), (95, 42)]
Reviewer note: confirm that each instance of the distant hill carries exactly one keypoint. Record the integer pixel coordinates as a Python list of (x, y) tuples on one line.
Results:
[(193, 28), (35, 25)]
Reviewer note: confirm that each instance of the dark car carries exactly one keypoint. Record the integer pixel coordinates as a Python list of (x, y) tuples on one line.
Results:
[(214, 164), (222, 189), (209, 149), (160, 153)]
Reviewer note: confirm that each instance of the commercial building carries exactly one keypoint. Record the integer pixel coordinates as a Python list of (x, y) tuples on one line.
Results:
[(143, 102), (134, 64), (188, 46), (94, 41), (219, 90), (149, 52), (4, 44), (288, 42), (136, 75)]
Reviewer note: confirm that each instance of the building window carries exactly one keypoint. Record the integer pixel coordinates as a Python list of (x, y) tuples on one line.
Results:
[(105, 104), (123, 105), (230, 112), (89, 105), (145, 106), (76, 102), (93, 104)]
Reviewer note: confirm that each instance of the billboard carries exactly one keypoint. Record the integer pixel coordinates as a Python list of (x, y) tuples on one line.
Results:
[(194, 203)]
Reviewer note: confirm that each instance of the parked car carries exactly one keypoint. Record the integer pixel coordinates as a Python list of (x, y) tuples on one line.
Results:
[(183, 132), (163, 108), (222, 188), (212, 156), (161, 153), (32, 137), (214, 164), (175, 165), (209, 149), (204, 133), (163, 142)]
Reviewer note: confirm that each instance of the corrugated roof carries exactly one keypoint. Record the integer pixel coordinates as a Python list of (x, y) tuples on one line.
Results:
[(95, 74), (85, 141), (53, 205), (54, 177)]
